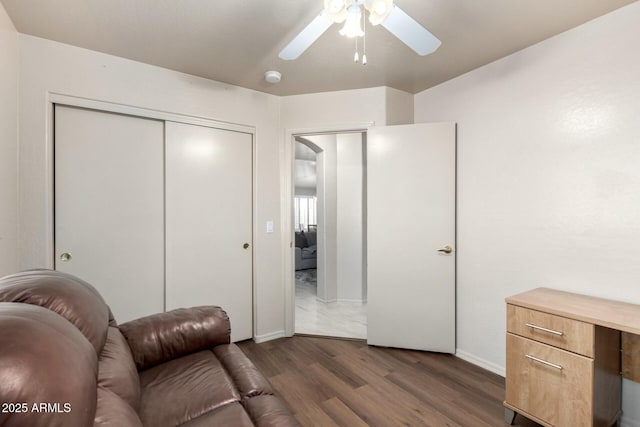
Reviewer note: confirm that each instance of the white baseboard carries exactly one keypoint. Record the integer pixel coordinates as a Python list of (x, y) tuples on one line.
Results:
[(269, 337), (359, 301), (628, 422), (489, 366), (327, 301)]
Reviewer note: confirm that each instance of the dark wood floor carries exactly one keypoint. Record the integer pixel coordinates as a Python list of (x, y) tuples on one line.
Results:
[(332, 382)]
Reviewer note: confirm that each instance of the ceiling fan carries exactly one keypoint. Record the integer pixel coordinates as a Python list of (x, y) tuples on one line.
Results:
[(351, 13)]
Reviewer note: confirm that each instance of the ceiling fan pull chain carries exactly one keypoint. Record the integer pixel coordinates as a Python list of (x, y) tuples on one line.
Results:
[(356, 57), (364, 39)]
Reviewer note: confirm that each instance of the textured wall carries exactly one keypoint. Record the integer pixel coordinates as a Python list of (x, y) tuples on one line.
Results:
[(8, 145), (548, 176)]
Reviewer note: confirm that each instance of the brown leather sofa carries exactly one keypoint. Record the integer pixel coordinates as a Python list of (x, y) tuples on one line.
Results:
[(65, 362)]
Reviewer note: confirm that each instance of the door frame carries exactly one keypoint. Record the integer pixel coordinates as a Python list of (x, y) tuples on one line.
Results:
[(54, 98), (287, 218)]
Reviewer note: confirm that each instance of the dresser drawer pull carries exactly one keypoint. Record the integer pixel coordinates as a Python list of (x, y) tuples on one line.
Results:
[(540, 328), (544, 362)]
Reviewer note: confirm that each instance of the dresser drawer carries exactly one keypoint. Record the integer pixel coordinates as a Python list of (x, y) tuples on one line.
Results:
[(568, 334), (549, 384)]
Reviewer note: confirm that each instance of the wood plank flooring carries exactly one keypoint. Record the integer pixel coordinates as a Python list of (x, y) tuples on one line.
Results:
[(333, 382)]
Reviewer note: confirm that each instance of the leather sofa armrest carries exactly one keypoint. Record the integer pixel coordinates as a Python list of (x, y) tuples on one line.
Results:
[(165, 336)]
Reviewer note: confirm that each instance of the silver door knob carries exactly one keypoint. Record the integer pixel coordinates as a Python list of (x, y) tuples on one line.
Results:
[(66, 256), (447, 249), (246, 246)]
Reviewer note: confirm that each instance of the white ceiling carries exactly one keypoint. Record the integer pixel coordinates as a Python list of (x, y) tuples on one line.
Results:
[(236, 41)]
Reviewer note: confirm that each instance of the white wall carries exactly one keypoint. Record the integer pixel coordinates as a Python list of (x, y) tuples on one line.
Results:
[(349, 216), (548, 177), (305, 177), (399, 107), (8, 145), (305, 170), (340, 216), (338, 110), (334, 110), (48, 66), (327, 204)]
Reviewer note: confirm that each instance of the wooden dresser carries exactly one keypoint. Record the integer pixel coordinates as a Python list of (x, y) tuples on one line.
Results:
[(563, 357)]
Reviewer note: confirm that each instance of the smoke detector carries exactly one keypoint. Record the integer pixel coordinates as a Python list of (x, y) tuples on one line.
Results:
[(273, 76)]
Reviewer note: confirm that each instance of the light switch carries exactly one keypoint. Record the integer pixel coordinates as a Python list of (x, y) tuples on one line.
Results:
[(269, 226)]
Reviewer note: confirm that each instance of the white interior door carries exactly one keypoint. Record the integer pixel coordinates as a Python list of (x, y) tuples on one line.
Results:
[(109, 206), (411, 217), (209, 222)]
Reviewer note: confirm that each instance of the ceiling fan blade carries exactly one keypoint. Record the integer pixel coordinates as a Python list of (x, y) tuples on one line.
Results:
[(306, 37), (410, 32)]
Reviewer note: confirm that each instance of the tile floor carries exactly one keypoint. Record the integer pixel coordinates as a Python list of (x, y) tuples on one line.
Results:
[(337, 319)]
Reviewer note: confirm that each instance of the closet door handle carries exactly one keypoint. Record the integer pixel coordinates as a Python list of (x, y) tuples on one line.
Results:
[(65, 257), (246, 246), (447, 249)]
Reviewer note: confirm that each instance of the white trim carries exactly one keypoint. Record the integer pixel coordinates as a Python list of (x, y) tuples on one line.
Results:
[(131, 110), (286, 222), (254, 231), (269, 337), (351, 300), (485, 364), (49, 185), (330, 129)]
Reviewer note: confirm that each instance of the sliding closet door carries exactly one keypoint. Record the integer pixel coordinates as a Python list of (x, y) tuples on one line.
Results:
[(209, 222), (109, 207)]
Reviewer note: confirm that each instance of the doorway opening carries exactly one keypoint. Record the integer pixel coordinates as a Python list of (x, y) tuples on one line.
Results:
[(330, 234)]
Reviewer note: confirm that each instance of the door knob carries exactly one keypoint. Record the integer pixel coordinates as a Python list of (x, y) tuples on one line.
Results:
[(66, 256), (246, 246), (447, 249)]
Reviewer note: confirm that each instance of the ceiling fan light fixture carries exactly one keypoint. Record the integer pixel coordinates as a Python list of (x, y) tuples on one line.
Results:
[(352, 27), (378, 10), (336, 10)]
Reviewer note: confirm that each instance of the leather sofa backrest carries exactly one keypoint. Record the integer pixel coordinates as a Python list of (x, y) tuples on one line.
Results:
[(47, 369), (51, 320), (70, 297), (116, 370)]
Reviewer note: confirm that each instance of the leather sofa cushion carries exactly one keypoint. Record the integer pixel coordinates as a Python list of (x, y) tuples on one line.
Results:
[(116, 370), (45, 359), (164, 336), (269, 411), (249, 381), (70, 297), (179, 390), (112, 319), (112, 411), (232, 415)]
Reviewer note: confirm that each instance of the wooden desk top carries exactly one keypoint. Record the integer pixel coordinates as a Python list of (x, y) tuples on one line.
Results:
[(599, 311)]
